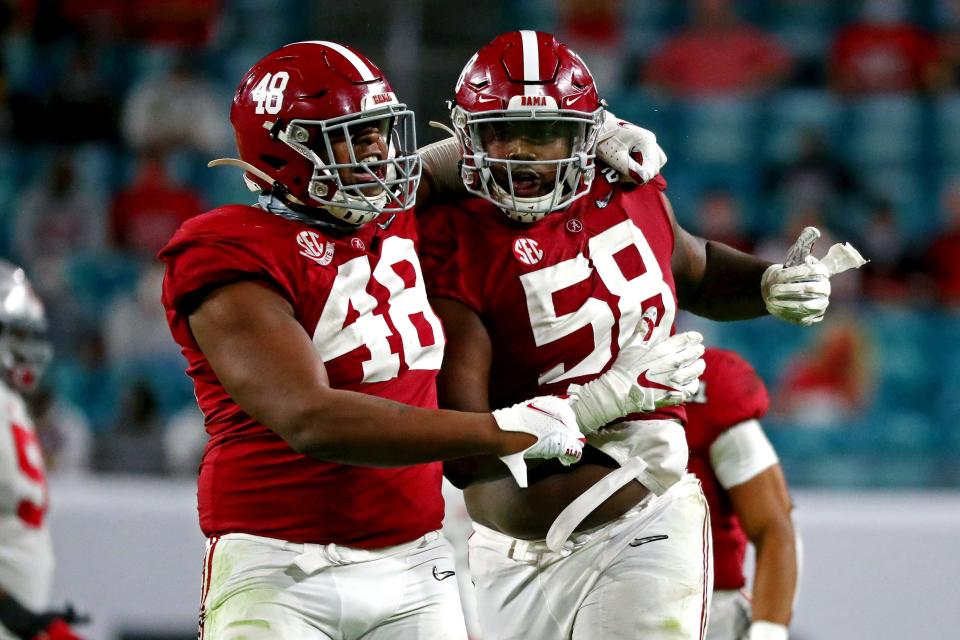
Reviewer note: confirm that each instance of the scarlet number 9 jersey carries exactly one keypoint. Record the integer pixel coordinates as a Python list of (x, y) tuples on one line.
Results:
[(26, 555)]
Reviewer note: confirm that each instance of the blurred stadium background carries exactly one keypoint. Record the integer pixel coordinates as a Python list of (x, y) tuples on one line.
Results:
[(843, 114)]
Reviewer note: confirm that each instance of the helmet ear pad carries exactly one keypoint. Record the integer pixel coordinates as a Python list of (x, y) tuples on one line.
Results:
[(527, 78)]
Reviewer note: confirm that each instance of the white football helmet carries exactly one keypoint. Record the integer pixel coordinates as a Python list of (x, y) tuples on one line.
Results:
[(24, 349)]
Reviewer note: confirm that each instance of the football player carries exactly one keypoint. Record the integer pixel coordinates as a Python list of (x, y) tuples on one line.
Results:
[(553, 274), (26, 553), (745, 488), (314, 353)]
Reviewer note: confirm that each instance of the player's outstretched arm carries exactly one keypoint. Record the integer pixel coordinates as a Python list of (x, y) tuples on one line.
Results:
[(763, 505), (714, 280), (722, 283), (267, 363)]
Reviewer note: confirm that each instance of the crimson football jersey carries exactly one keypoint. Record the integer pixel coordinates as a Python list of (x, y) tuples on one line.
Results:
[(361, 298), (730, 393), (561, 296)]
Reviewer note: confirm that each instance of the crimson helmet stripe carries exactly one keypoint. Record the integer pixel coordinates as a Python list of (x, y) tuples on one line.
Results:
[(351, 57), (531, 62)]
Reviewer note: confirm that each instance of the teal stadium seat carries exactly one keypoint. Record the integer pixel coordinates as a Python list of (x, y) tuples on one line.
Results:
[(884, 131), (719, 131), (96, 278), (789, 114)]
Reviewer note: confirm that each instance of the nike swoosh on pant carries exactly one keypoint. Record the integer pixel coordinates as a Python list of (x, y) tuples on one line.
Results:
[(639, 541)]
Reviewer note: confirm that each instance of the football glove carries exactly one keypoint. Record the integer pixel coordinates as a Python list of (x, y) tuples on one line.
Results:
[(551, 420), (630, 150), (644, 377), (798, 290)]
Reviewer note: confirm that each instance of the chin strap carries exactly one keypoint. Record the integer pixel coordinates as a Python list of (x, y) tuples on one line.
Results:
[(270, 203)]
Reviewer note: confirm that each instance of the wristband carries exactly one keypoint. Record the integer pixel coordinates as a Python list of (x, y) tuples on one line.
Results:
[(763, 630)]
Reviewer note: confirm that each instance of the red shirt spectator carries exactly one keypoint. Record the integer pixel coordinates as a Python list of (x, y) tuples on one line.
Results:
[(884, 53), (718, 54), (941, 258), (144, 216), (830, 380)]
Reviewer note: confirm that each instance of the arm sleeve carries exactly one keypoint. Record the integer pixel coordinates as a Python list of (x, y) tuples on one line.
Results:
[(740, 453)]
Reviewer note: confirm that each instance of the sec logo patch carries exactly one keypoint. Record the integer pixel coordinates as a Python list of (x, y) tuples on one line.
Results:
[(527, 250)]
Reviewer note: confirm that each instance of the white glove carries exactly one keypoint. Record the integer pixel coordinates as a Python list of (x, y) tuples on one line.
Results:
[(798, 290), (551, 420), (762, 630), (643, 378), (630, 150)]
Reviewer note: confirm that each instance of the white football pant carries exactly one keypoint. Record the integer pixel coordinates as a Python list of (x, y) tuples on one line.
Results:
[(256, 588), (646, 575)]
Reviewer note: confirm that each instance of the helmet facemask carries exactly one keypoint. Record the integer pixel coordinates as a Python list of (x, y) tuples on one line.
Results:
[(24, 349), (25, 353), (359, 189), (551, 183)]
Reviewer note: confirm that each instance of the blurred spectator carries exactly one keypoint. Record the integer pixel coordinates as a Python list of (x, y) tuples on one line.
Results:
[(815, 176), (6, 108), (593, 29), (85, 379), (135, 324), (145, 215), (56, 218), (719, 218), (178, 110), (135, 442), (185, 439), (717, 54), (63, 430), (829, 381), (886, 275), (172, 22), (81, 107), (943, 253), (884, 53)]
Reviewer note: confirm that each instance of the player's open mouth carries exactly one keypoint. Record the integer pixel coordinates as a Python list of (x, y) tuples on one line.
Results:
[(364, 173), (526, 183)]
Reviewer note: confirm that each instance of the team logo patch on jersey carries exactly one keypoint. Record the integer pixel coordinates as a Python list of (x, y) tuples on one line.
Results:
[(358, 244), (312, 247), (574, 225), (527, 250)]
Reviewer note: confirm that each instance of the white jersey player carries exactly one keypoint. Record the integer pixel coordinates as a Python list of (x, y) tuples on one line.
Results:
[(26, 553)]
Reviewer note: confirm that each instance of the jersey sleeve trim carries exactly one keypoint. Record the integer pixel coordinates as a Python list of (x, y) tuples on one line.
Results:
[(741, 453)]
